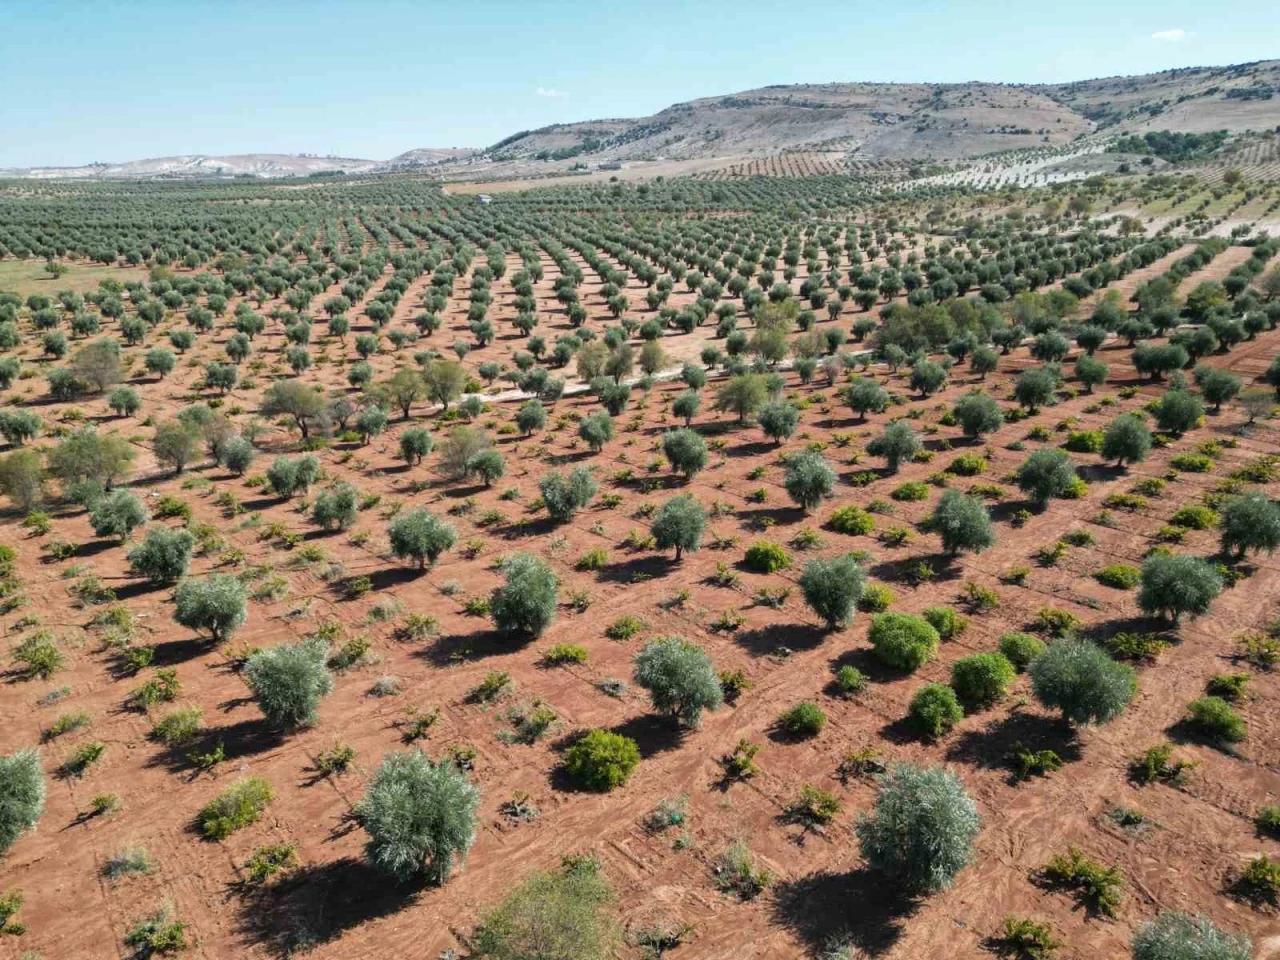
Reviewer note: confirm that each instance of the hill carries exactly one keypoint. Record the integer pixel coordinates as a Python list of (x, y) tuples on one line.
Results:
[(860, 120)]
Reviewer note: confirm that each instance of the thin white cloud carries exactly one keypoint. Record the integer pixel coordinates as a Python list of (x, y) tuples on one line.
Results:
[(550, 92), (1176, 35)]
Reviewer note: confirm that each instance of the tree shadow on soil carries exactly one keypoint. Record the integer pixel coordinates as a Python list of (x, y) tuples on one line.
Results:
[(138, 588), (317, 904), (647, 567), (450, 649), (856, 907), (991, 746), (653, 733), (238, 741), (771, 639), (904, 571)]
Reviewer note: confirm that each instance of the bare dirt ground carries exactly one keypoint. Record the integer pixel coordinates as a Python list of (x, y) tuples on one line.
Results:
[(1187, 856)]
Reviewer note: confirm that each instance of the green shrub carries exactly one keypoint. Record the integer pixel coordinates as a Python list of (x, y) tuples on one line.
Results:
[(1020, 649), (1214, 717), (563, 653), (934, 709), (601, 760), (238, 806), (1084, 441), (849, 679), (1097, 886), (876, 598), (1194, 517), (1118, 575), (804, 720), (909, 492), (1192, 463), (766, 557), (736, 872), (946, 621), (851, 520), (982, 678), (179, 727), (159, 934), (903, 641), (1030, 938)]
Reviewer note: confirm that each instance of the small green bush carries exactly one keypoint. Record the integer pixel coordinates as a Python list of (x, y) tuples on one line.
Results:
[(1119, 575), (238, 806), (910, 492), (601, 760), (851, 520), (766, 557), (903, 641), (805, 720), (946, 621), (934, 709), (1214, 717), (1020, 649), (876, 598), (982, 678)]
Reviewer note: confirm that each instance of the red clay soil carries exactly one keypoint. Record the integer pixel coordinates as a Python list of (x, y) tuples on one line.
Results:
[(1187, 855)]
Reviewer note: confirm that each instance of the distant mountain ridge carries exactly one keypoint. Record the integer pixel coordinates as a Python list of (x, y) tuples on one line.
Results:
[(866, 120)]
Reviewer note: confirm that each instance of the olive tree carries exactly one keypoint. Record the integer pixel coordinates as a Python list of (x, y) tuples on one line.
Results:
[(22, 796), (1174, 584), (1126, 438), (778, 419), (420, 817), (928, 377), (335, 508), (421, 536), (685, 450), (678, 524), (832, 589), (290, 680), (1078, 678), (163, 555), (744, 395), (1046, 474), (865, 396), (978, 414), (1179, 936), (1178, 412), (563, 496), (1035, 387), (962, 522), (596, 428), (686, 405), (1218, 386), (1250, 522), (216, 604), (921, 830), (898, 442), (680, 678), (117, 514), (415, 443), (809, 479), (525, 604)]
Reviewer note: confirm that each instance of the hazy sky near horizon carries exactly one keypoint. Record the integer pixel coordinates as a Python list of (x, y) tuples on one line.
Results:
[(127, 79)]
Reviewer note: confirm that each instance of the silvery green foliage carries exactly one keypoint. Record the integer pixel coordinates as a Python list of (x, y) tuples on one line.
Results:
[(898, 442), (832, 588), (421, 536), (216, 604), (679, 523), (565, 496), (1078, 678), (290, 680), (22, 793), (962, 522), (680, 678), (809, 479), (1174, 584), (526, 602), (163, 554), (1180, 936), (117, 514), (420, 817), (921, 830)]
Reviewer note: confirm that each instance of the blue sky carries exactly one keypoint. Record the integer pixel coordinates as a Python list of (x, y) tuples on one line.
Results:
[(125, 79)]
